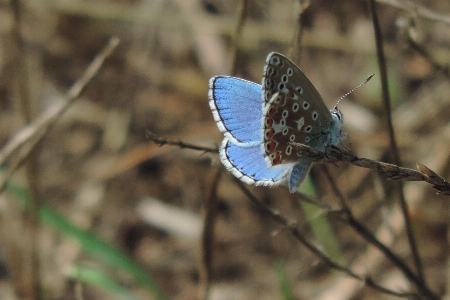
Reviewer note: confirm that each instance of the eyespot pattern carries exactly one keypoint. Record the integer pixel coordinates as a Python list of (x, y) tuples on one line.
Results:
[(275, 60), (305, 105), (290, 72), (289, 150)]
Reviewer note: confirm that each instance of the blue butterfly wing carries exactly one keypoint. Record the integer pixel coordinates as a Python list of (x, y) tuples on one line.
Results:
[(298, 174), (236, 105), (248, 164)]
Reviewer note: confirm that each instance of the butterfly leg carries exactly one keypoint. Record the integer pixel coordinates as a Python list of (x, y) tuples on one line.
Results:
[(341, 141)]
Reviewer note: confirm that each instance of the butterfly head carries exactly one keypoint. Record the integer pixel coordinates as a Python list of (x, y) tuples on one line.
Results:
[(337, 115), (336, 134)]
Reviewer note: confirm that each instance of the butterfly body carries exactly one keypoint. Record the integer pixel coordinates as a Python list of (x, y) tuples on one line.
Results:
[(262, 124)]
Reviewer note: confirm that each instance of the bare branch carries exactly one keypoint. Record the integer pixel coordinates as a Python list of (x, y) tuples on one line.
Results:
[(33, 133)]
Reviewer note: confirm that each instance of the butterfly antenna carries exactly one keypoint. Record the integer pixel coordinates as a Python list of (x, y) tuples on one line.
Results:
[(354, 89)]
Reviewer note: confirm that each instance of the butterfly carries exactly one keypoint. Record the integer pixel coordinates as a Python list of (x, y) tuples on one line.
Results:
[(263, 123)]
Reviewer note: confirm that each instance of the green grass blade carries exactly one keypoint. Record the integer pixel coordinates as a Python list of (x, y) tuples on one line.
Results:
[(283, 282), (320, 226), (99, 279), (91, 243)]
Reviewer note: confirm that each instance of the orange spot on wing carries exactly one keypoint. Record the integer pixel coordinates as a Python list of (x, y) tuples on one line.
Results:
[(268, 133), (270, 146), (276, 158), (272, 110)]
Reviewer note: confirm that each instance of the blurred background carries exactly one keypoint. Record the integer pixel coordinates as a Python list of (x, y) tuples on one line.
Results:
[(119, 199)]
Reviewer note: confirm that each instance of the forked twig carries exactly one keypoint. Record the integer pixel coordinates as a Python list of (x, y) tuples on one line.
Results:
[(293, 229), (335, 154)]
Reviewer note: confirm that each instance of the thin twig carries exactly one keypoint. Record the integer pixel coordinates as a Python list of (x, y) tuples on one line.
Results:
[(295, 51), (242, 16), (207, 240), (392, 140), (308, 199), (162, 141), (425, 53), (25, 104), (334, 154), (32, 134), (369, 237), (417, 9), (335, 189), (293, 229)]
